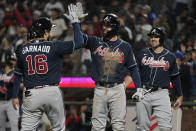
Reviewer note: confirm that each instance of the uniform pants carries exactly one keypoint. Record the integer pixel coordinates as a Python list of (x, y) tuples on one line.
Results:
[(157, 103), (7, 110), (38, 101), (109, 100)]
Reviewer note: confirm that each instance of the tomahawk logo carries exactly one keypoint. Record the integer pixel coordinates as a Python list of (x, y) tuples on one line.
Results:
[(107, 19), (153, 31)]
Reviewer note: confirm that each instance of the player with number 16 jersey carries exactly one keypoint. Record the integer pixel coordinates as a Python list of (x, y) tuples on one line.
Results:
[(39, 63)]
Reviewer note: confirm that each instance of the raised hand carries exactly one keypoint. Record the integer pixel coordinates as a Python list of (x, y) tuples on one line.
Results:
[(73, 17), (79, 11)]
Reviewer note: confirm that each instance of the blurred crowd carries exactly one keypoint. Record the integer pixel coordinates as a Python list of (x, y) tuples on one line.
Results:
[(176, 17)]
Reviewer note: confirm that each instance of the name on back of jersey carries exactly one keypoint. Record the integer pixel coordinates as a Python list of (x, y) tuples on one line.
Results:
[(36, 48)]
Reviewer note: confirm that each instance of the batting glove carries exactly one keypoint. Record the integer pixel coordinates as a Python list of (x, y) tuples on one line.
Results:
[(79, 11), (139, 95), (73, 17)]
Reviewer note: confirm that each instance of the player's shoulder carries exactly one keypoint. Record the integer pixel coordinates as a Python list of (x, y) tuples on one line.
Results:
[(92, 37), (91, 40), (37, 42), (19, 47), (169, 53), (145, 50), (124, 42)]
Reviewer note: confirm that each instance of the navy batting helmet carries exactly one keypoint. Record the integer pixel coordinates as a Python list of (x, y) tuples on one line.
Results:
[(113, 21), (39, 26), (157, 32)]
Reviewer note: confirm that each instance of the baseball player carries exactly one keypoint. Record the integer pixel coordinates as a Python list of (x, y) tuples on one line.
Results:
[(39, 64), (6, 86), (113, 68), (157, 68)]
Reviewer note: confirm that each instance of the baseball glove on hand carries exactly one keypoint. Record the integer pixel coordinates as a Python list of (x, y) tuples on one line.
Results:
[(73, 17), (139, 95)]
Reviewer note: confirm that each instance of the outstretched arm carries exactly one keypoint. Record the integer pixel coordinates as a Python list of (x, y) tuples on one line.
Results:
[(73, 17), (78, 36)]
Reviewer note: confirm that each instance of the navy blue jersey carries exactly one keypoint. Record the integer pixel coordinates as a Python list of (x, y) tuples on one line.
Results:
[(6, 84), (156, 69), (109, 59), (40, 61)]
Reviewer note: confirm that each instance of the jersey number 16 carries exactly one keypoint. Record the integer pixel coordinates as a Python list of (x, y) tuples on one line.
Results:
[(41, 66)]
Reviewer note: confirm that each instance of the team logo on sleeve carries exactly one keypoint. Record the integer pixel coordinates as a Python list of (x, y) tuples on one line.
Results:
[(155, 63)]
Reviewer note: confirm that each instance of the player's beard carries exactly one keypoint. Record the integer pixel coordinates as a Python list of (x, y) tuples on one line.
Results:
[(108, 35)]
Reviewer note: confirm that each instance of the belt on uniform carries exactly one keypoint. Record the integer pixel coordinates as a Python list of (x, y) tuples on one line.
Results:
[(153, 88), (41, 86), (106, 84)]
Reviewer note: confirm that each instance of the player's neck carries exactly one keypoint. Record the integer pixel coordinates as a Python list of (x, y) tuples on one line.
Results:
[(114, 38), (158, 49), (8, 69)]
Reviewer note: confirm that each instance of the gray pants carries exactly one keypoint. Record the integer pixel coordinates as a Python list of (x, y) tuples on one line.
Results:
[(7, 110), (109, 100), (48, 100), (157, 103)]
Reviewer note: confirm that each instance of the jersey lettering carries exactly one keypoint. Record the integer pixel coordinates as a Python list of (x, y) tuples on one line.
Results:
[(30, 68), (110, 55), (41, 66), (155, 63)]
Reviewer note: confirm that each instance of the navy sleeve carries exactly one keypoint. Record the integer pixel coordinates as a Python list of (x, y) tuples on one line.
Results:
[(78, 36), (16, 86), (90, 41), (135, 76), (138, 60), (64, 47), (132, 66), (173, 69), (176, 82), (130, 58), (18, 71), (68, 47), (19, 64)]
